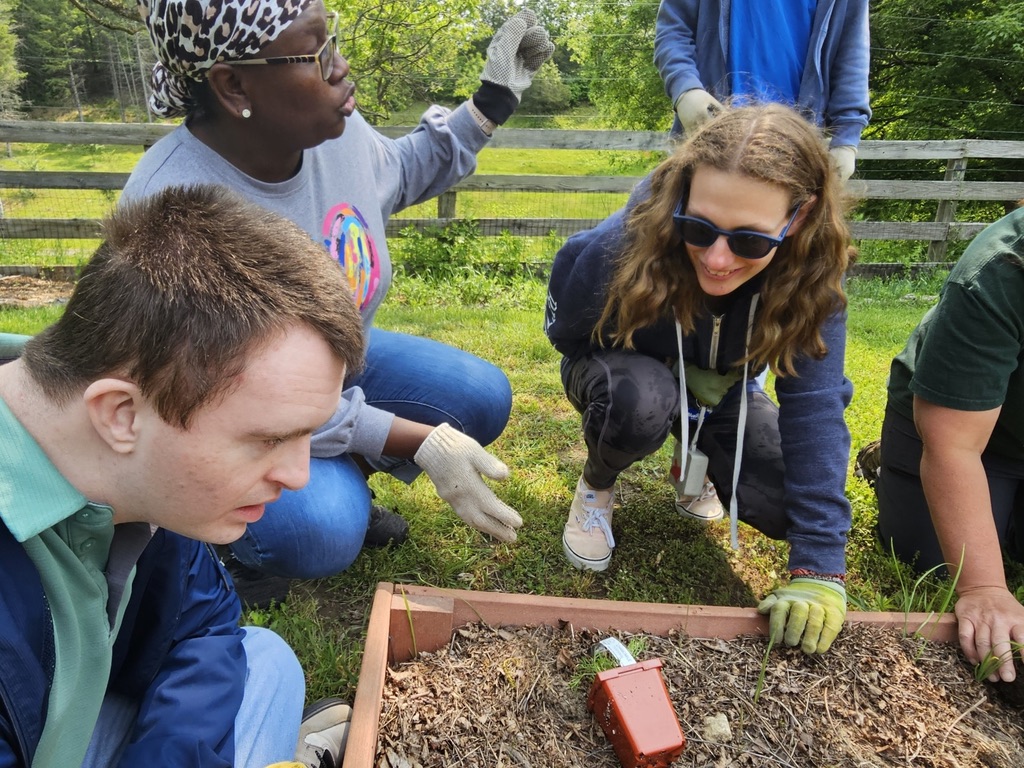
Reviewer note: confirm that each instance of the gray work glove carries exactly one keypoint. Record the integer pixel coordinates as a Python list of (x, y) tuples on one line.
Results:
[(516, 52), (454, 462), (695, 107), (844, 160)]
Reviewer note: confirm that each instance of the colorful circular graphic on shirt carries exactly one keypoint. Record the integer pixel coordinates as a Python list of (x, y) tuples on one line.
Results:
[(349, 241)]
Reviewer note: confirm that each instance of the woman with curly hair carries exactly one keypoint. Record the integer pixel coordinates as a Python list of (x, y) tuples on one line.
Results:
[(727, 259)]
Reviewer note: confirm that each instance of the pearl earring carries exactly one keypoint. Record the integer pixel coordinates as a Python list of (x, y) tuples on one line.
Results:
[(246, 113)]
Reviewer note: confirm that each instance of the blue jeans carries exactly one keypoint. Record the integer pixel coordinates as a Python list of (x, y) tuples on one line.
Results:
[(319, 530), (267, 723)]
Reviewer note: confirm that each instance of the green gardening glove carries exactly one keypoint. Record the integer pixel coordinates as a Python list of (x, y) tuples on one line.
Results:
[(806, 611), (709, 387)]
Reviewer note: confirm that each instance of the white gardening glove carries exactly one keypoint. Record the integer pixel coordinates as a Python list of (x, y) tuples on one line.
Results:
[(844, 159), (695, 107), (454, 462)]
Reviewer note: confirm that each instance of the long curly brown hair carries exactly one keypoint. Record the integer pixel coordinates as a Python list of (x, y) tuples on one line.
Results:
[(802, 286)]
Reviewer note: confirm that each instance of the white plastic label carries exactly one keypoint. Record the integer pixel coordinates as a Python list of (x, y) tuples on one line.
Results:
[(616, 649)]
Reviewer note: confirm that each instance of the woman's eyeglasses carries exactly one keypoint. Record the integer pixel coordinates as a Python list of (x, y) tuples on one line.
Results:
[(745, 243), (324, 55)]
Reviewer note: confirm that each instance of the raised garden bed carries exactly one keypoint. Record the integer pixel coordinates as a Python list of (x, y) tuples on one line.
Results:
[(407, 619)]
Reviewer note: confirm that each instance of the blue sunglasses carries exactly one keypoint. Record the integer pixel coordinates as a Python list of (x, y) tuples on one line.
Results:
[(745, 243)]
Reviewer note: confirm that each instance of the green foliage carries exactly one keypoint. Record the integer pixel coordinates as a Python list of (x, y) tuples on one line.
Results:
[(10, 75), (458, 250), (914, 595), (988, 666), (51, 35), (28, 321), (613, 43), (330, 653), (659, 556), (117, 15), (946, 68), (764, 669), (456, 263), (547, 93), (46, 253), (398, 50)]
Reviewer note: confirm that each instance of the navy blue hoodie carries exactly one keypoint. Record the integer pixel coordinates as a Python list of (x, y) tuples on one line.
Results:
[(815, 439)]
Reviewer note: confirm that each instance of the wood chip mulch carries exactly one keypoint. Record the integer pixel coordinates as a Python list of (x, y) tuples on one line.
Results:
[(516, 698), (25, 291)]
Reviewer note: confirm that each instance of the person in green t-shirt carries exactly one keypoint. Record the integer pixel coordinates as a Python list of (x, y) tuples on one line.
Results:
[(951, 481)]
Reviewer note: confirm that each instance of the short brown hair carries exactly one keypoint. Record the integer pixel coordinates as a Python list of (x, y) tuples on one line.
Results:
[(186, 284)]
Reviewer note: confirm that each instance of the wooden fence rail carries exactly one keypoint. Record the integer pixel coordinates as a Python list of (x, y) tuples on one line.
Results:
[(953, 188)]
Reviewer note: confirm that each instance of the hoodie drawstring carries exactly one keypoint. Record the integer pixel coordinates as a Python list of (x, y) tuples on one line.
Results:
[(684, 418)]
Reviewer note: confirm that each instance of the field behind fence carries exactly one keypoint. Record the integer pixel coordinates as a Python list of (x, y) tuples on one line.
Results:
[(918, 202)]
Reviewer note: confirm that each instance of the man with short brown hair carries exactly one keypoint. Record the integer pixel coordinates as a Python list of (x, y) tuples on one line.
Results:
[(205, 341)]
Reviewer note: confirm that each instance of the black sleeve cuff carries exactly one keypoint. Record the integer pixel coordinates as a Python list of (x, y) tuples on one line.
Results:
[(496, 102)]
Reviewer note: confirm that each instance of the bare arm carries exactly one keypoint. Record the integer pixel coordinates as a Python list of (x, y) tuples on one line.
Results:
[(405, 438), (956, 488)]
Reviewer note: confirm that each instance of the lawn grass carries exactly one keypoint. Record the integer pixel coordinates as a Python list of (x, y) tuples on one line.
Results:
[(59, 203), (29, 320), (659, 556)]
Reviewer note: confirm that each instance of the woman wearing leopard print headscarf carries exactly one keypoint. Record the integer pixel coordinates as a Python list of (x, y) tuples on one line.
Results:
[(270, 111)]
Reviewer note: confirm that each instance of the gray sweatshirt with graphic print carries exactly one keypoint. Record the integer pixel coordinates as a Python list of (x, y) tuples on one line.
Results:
[(343, 195)]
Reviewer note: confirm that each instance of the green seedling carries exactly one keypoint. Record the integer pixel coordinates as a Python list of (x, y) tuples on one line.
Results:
[(934, 607), (764, 669), (592, 664), (987, 666)]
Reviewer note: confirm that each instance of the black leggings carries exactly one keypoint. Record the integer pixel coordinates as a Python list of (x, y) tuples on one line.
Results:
[(904, 521), (630, 405)]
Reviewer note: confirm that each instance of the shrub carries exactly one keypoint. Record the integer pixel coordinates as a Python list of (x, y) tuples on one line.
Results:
[(459, 250)]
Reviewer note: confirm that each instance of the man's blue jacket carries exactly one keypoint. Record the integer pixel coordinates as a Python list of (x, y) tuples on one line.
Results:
[(179, 653)]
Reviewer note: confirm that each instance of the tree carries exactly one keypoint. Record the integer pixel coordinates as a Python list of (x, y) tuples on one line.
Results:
[(10, 75), (613, 43), (939, 69), (547, 94), (115, 15), (947, 68), (50, 50), (401, 52)]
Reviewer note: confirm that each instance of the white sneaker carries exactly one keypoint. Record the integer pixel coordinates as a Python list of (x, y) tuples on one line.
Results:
[(587, 538), (703, 506), (323, 734)]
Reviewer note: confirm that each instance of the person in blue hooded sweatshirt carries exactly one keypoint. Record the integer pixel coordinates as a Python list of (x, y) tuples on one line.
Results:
[(810, 54), (728, 258)]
